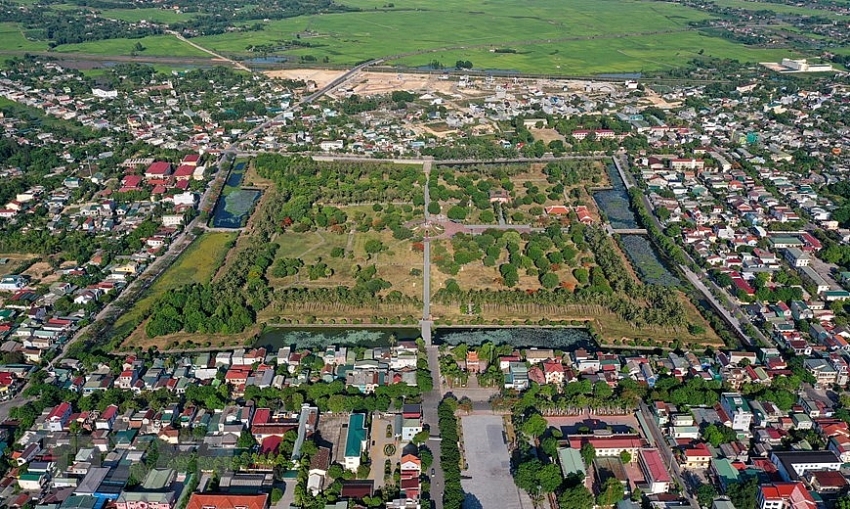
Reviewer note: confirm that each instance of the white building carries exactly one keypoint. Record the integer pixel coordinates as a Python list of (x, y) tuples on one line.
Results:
[(738, 411)]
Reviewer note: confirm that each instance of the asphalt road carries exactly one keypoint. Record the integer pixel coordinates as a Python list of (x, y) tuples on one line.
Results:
[(667, 454), (430, 400)]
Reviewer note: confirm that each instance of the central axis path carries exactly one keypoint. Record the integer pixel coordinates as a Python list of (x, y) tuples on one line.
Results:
[(426, 322)]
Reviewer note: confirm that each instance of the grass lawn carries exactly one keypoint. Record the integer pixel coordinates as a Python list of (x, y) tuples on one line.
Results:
[(196, 265), (12, 39), (151, 15), (155, 45)]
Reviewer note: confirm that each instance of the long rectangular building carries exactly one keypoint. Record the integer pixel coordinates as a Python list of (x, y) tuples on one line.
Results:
[(654, 471)]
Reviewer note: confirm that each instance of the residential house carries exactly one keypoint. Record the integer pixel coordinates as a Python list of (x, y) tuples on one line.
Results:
[(355, 441)]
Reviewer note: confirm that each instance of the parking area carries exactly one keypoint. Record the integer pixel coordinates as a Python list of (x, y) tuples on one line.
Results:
[(489, 482)]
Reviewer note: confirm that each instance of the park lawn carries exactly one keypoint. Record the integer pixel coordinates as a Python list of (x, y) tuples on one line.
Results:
[(394, 265), (478, 276), (13, 39), (151, 14), (155, 45), (196, 265), (188, 341)]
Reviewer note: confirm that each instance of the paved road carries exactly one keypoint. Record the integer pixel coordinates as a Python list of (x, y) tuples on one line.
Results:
[(426, 263), (426, 321), (430, 400), (232, 62), (667, 454), (718, 306)]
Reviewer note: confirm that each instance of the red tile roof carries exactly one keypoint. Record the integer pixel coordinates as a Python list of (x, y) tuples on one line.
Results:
[(227, 501), (159, 168), (184, 170)]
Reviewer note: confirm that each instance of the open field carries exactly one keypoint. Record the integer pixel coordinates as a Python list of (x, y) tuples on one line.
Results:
[(196, 265), (155, 45), (320, 77), (578, 37), (600, 55), (13, 39), (617, 332), (151, 15)]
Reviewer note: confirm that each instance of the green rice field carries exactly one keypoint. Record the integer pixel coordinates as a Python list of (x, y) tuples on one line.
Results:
[(155, 45), (548, 36)]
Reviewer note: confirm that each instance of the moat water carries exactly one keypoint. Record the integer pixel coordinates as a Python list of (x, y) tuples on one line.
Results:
[(561, 338)]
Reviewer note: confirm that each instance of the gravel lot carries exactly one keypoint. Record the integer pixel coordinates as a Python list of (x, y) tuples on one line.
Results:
[(491, 484)]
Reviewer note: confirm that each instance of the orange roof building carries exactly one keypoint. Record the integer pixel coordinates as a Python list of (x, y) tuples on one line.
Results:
[(227, 501)]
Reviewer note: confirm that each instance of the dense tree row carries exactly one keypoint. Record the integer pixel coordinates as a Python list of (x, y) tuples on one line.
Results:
[(671, 250), (453, 495)]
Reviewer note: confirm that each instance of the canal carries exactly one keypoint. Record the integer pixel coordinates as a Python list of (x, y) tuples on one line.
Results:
[(614, 202), (561, 338), (642, 254), (235, 204)]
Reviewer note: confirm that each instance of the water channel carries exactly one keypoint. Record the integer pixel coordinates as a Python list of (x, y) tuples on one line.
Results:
[(640, 251), (234, 205), (562, 338)]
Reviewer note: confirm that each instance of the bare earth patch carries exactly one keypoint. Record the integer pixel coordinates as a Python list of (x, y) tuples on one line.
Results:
[(320, 77)]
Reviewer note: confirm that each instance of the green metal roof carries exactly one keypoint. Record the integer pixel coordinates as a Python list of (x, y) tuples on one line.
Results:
[(571, 462), (356, 435)]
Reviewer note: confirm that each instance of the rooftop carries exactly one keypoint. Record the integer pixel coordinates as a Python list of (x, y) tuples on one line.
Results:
[(356, 435)]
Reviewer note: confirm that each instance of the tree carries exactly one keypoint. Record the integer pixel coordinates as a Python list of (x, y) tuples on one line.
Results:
[(276, 495), (706, 494), (549, 445), (744, 494), (625, 457), (535, 426), (421, 437), (576, 497), (373, 246), (612, 492), (509, 274), (336, 471), (549, 280), (588, 454), (457, 213), (363, 471), (426, 457), (434, 208), (549, 478), (719, 434), (246, 440)]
